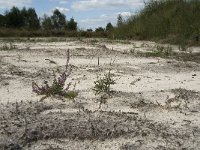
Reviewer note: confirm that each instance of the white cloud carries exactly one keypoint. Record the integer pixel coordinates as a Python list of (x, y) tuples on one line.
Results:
[(60, 1), (94, 22), (102, 20), (105, 4), (63, 2), (62, 9), (10, 3), (125, 14)]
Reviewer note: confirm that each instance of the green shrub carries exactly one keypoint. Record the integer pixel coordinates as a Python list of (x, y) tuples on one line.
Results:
[(103, 85), (57, 88)]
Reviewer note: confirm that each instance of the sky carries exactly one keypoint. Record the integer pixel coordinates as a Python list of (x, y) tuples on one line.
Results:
[(88, 13)]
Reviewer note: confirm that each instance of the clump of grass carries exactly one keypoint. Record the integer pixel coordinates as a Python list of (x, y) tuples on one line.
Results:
[(160, 51), (132, 50), (9, 46), (103, 85), (166, 51), (94, 41), (57, 88), (183, 47)]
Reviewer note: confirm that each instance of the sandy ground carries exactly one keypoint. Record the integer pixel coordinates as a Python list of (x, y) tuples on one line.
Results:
[(155, 102)]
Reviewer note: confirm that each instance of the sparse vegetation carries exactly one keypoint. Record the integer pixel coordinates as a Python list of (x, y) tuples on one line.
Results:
[(132, 51), (103, 85), (183, 47), (158, 51), (7, 46), (58, 86)]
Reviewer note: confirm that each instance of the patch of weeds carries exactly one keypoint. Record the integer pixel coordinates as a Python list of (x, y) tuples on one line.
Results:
[(193, 57), (103, 47), (130, 146), (56, 39), (183, 47), (9, 46), (123, 41), (94, 41), (146, 45), (143, 45), (132, 51), (186, 94), (103, 85), (57, 88), (118, 41), (166, 51), (160, 51), (71, 94)]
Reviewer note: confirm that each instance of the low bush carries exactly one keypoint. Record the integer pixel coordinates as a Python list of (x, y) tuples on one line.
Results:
[(57, 88), (103, 85)]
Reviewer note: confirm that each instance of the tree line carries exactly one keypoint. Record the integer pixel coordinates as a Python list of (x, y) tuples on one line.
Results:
[(27, 18)]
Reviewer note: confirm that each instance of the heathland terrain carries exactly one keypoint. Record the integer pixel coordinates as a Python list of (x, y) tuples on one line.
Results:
[(153, 103)]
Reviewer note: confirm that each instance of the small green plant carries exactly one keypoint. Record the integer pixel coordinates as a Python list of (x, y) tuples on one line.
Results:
[(57, 88), (103, 85), (71, 95)]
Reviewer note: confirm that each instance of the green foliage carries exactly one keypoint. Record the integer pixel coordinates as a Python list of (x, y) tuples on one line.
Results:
[(119, 20), (58, 20), (47, 23), (32, 19), (102, 85), (16, 18), (27, 19), (109, 27), (89, 30), (57, 88), (72, 25), (99, 29), (159, 51), (175, 20), (2, 21), (71, 94)]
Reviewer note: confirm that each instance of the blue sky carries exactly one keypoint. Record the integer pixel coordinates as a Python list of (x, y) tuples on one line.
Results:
[(88, 13)]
